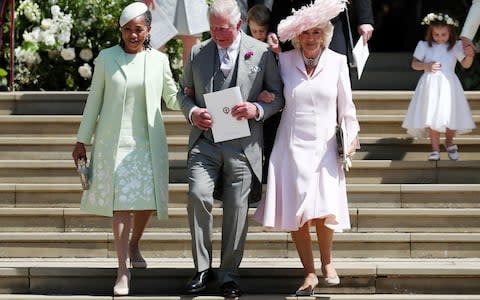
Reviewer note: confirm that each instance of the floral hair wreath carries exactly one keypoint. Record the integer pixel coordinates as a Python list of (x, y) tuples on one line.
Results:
[(435, 18)]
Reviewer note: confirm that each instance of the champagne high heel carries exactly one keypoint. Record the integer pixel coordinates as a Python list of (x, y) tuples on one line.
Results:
[(122, 290), (308, 290)]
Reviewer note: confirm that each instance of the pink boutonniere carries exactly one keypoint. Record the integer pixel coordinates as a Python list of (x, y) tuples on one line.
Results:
[(248, 54)]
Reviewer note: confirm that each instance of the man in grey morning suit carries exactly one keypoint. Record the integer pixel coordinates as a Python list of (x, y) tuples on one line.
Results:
[(235, 164)]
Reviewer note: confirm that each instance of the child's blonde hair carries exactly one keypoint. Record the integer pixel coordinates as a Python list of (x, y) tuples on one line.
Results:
[(259, 14)]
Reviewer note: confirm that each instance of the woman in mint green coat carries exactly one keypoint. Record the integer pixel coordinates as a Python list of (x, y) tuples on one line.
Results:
[(128, 170)]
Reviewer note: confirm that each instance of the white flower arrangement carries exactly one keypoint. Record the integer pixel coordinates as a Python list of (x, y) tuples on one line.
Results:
[(68, 53), (86, 54), (85, 71), (439, 18), (30, 10)]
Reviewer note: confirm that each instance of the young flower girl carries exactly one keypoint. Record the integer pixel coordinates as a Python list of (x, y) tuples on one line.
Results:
[(439, 104)]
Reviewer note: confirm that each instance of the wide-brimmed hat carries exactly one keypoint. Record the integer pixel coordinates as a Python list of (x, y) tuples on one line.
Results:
[(132, 11), (309, 16)]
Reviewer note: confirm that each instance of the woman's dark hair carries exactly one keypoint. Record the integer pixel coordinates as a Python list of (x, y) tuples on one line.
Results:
[(147, 16)]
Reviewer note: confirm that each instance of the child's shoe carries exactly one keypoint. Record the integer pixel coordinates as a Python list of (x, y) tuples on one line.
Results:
[(435, 155), (452, 151)]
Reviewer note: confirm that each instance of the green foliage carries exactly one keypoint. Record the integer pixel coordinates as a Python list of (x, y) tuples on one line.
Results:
[(50, 36)]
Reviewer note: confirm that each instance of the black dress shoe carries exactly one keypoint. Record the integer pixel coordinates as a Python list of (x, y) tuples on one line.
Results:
[(199, 281), (230, 290)]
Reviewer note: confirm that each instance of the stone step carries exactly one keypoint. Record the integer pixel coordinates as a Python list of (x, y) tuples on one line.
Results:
[(55, 147), (362, 279), (360, 195), (175, 124), (366, 220), (379, 147), (392, 124), (72, 103), (396, 102), (363, 171), (270, 296), (402, 147), (258, 244), (67, 125)]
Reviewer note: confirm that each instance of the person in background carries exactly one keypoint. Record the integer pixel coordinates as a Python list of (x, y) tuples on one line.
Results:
[(229, 59), (439, 104), (306, 181), (245, 5), (471, 24), (128, 170), (188, 17), (258, 20)]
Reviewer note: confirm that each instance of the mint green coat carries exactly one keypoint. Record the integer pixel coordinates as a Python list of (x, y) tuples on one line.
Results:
[(101, 124)]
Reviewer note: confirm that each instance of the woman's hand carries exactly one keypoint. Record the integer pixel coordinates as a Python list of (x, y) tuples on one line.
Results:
[(352, 148), (79, 152), (189, 92), (274, 43), (150, 3), (266, 97)]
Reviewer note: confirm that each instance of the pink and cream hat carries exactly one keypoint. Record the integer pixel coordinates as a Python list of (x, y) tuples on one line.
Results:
[(132, 11), (309, 16)]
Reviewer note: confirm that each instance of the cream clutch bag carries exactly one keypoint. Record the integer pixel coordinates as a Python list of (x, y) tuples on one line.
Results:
[(82, 171)]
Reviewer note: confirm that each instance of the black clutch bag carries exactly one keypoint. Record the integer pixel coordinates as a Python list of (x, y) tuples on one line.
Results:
[(340, 143)]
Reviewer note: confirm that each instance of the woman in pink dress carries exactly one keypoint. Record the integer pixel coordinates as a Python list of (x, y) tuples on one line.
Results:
[(306, 182)]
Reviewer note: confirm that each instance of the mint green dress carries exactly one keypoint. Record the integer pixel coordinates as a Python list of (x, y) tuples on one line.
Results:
[(122, 120), (133, 183)]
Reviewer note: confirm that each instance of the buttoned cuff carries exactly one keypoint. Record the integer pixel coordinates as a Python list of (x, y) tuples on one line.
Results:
[(260, 112)]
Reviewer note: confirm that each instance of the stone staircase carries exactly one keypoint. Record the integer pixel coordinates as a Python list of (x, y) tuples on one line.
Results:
[(415, 224)]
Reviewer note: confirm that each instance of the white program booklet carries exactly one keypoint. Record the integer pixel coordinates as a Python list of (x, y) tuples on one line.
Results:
[(224, 126), (360, 54)]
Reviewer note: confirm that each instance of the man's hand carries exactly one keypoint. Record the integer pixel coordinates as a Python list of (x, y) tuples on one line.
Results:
[(246, 110), (366, 31), (202, 119)]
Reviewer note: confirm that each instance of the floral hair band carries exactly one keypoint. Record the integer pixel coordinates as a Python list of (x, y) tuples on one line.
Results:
[(439, 18)]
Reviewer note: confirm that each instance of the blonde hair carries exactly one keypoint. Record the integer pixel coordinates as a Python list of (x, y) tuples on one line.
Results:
[(327, 30)]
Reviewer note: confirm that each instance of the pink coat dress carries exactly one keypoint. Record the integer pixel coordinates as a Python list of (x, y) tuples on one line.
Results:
[(305, 179)]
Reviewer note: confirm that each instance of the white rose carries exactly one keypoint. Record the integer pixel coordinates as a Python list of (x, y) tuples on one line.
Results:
[(55, 9), (48, 38), (46, 23), (86, 54), (33, 36), (85, 71), (67, 53), (64, 37)]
